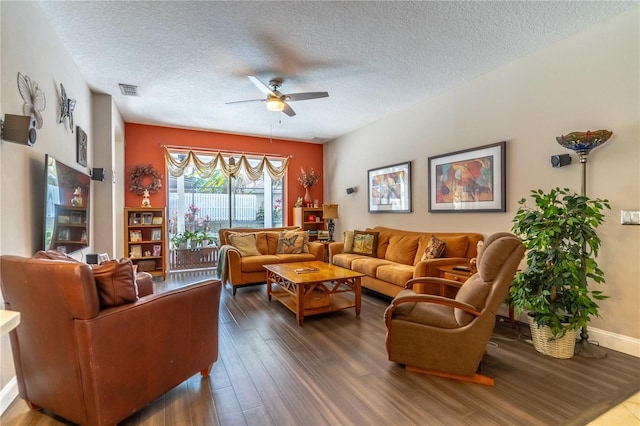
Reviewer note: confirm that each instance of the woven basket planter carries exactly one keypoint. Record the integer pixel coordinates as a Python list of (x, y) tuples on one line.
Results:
[(544, 342)]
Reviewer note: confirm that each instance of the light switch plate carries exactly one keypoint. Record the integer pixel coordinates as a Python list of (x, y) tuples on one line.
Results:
[(630, 217)]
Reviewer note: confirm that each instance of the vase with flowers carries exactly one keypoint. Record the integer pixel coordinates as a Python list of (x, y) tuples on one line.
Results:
[(307, 180)]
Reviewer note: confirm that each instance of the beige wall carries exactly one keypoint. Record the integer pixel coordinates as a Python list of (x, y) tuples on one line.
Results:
[(30, 46), (588, 81)]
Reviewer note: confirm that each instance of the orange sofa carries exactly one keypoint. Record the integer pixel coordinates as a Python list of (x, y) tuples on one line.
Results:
[(239, 270), (398, 257)]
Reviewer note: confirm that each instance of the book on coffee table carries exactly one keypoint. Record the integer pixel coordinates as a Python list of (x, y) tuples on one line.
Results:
[(306, 270)]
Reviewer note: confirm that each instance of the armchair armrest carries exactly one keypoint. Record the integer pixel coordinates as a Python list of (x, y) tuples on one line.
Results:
[(335, 248), (316, 249), (430, 284)]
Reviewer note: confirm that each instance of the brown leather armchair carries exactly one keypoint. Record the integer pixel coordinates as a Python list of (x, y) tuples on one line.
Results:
[(444, 336), (96, 366)]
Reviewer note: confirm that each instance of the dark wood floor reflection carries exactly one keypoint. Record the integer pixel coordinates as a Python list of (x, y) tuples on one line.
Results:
[(334, 371)]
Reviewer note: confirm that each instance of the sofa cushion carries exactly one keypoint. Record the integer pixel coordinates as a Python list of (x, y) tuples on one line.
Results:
[(368, 265), (402, 248), (254, 263), (302, 257), (245, 243), (397, 273), (455, 246), (344, 259), (293, 242), (434, 249), (115, 282), (365, 242), (348, 242)]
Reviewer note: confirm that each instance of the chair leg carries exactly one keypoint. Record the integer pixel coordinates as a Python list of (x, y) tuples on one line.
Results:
[(205, 372), (476, 378), (234, 289), (32, 406)]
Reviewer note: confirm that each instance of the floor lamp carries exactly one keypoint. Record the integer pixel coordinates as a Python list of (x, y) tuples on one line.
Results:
[(582, 143), (330, 212)]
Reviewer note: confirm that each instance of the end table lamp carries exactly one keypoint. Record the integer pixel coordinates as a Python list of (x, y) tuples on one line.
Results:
[(330, 212)]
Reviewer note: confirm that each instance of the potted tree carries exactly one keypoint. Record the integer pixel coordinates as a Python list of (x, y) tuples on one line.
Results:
[(562, 245)]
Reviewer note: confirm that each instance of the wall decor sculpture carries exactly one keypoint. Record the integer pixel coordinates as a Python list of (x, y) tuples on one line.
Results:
[(67, 106), (34, 100)]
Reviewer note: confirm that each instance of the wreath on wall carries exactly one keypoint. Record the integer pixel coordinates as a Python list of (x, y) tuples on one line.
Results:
[(143, 177)]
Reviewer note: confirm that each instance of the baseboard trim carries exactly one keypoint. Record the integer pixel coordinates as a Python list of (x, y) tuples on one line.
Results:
[(7, 394), (606, 339)]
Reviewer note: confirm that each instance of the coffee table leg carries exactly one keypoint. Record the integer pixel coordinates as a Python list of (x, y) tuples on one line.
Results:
[(300, 311), (358, 296), (269, 285)]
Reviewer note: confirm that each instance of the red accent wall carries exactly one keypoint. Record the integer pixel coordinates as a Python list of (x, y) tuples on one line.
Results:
[(144, 145)]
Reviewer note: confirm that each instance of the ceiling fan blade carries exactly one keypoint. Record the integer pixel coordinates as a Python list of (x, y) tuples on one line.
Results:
[(248, 100), (305, 96), (288, 110), (260, 85)]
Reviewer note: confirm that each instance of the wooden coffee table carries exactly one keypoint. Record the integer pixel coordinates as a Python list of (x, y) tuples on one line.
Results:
[(328, 288)]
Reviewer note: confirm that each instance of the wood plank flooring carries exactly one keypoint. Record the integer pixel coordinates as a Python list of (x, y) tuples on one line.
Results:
[(334, 371)]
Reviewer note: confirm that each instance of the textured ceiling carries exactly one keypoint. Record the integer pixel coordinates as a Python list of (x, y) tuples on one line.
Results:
[(374, 58)]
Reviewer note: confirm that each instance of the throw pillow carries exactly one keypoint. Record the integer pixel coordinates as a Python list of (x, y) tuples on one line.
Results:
[(455, 246), (116, 282), (365, 242), (434, 249), (245, 244), (348, 242), (292, 242)]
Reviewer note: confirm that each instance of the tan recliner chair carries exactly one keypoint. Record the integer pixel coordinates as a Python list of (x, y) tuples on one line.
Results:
[(442, 336), (97, 366)]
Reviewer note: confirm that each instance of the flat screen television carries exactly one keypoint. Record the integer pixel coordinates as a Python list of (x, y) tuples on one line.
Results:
[(66, 207)]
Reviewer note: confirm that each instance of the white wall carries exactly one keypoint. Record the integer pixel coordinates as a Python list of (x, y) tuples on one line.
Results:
[(589, 81)]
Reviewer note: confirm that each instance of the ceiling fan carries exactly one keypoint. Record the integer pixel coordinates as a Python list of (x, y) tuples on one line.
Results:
[(277, 101)]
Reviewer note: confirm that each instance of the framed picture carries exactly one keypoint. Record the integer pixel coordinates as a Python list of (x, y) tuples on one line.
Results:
[(103, 257), (157, 220), (156, 234), (76, 218), (63, 234), (135, 236), (136, 251), (147, 218), (323, 235), (157, 250), (390, 189), (81, 146), (472, 180)]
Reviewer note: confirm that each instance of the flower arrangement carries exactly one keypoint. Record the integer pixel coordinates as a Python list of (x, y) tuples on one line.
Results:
[(307, 180)]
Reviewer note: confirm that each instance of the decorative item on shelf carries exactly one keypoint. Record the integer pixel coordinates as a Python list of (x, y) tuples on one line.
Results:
[(298, 202), (582, 143), (144, 178), (67, 106), (146, 202), (77, 197), (308, 180), (330, 212)]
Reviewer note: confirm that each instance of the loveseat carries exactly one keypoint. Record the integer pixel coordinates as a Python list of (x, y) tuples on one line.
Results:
[(92, 351), (391, 257), (244, 251)]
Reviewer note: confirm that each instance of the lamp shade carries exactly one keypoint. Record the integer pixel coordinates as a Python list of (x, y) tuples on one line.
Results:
[(275, 104), (330, 211)]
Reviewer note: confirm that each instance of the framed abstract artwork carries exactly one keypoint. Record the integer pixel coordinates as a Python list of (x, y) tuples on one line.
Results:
[(81, 146), (472, 180), (390, 189)]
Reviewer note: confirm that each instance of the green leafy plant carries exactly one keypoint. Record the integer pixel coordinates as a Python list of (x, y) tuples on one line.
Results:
[(562, 246)]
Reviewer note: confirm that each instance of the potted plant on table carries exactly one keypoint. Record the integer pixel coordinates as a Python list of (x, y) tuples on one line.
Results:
[(562, 246)]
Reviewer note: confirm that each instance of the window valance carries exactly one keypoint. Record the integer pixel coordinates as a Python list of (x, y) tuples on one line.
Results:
[(207, 168)]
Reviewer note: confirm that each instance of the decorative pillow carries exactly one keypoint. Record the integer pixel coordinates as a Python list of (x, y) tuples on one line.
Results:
[(245, 244), (365, 242), (292, 242), (348, 242), (116, 282), (434, 249), (455, 246)]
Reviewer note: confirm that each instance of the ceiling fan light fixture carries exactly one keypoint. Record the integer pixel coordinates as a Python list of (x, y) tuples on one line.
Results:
[(275, 104)]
